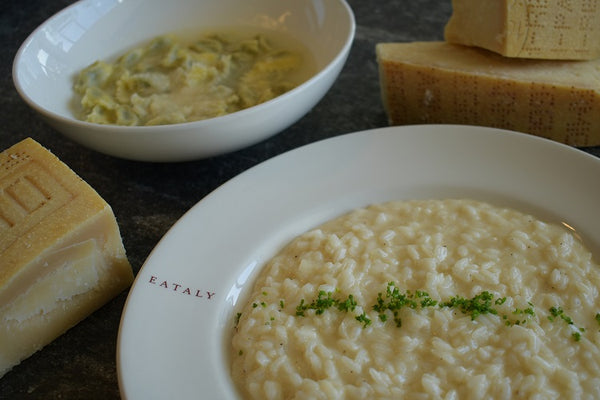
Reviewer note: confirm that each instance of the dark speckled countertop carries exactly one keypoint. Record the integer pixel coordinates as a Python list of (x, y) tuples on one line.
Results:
[(149, 198)]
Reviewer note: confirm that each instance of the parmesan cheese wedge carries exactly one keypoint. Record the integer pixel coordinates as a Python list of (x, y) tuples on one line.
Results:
[(61, 254), (549, 29), (438, 82)]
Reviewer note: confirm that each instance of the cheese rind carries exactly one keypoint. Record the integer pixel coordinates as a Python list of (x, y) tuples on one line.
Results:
[(550, 29), (437, 82), (61, 254)]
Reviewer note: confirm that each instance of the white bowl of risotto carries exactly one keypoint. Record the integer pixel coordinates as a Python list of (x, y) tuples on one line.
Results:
[(487, 237), (306, 43)]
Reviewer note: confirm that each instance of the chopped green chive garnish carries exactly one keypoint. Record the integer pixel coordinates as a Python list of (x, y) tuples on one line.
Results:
[(390, 304)]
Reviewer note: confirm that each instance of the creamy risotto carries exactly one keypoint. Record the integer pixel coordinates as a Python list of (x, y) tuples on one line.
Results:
[(427, 299)]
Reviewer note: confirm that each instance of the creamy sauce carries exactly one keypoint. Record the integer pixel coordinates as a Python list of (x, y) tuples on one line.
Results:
[(170, 80)]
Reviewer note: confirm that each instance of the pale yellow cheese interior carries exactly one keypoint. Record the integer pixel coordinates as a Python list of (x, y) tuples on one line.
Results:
[(438, 82), (549, 29), (61, 253), (71, 271)]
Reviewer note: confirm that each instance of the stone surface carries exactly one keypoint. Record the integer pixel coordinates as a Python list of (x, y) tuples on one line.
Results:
[(149, 198)]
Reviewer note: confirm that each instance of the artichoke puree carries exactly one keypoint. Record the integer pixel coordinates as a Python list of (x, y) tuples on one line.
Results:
[(168, 81)]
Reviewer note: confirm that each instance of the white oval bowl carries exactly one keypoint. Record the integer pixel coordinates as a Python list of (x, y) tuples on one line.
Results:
[(50, 58)]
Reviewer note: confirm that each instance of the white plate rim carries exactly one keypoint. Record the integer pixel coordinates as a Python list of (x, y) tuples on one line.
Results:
[(172, 342)]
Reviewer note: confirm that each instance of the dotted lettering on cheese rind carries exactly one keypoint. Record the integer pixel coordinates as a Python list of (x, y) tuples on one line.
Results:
[(465, 98), (429, 95), (582, 106), (560, 27)]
